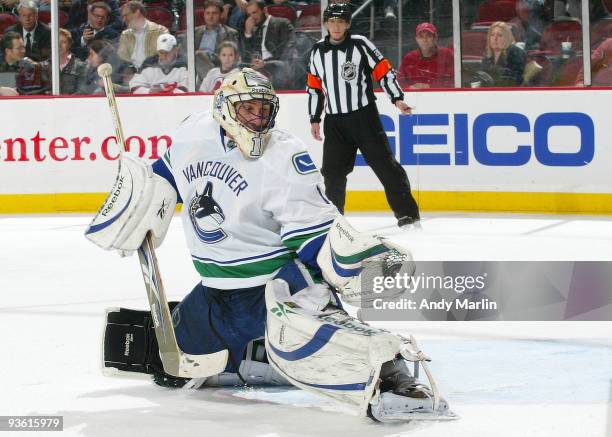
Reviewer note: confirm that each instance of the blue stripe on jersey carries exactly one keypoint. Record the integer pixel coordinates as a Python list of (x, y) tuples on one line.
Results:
[(310, 228), (279, 251), (160, 168), (308, 253)]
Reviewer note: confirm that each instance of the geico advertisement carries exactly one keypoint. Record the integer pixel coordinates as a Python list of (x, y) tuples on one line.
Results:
[(553, 141)]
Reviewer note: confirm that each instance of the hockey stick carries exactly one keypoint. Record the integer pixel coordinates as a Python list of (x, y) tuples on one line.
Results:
[(175, 361)]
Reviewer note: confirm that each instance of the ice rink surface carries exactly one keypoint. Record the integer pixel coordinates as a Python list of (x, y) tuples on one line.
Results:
[(510, 379)]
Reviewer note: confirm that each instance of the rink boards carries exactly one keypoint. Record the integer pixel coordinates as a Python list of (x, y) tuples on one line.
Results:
[(483, 150)]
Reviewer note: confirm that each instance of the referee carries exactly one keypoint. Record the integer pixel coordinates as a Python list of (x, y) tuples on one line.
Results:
[(340, 78)]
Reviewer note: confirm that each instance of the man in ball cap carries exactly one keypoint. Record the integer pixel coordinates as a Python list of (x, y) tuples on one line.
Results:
[(164, 73), (427, 66)]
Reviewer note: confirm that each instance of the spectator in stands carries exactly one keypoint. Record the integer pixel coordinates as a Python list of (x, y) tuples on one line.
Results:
[(522, 29), (229, 56), (164, 73), (13, 50), (79, 11), (388, 18), (139, 40), (100, 52), (563, 8), (8, 5), (573, 8), (503, 61), (428, 66), (601, 65), (45, 5), (20, 75), (95, 28), (209, 37), (269, 44), (289, 3), (237, 15), (73, 71), (36, 36)]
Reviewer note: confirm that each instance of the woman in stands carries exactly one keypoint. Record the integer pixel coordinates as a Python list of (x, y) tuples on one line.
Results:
[(502, 60), (100, 52), (229, 56), (73, 71)]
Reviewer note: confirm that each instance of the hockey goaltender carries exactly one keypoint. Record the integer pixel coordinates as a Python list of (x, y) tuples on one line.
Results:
[(272, 257)]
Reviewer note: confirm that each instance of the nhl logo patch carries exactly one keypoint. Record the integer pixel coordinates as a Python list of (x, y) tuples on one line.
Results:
[(349, 71)]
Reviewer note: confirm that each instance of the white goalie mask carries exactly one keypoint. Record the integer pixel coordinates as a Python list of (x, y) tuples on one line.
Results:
[(245, 106)]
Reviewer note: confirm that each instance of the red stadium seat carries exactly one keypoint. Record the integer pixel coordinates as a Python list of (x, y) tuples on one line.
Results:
[(6, 21), (160, 16), (282, 11), (497, 10), (561, 31), (570, 71), (45, 17), (473, 42), (310, 19)]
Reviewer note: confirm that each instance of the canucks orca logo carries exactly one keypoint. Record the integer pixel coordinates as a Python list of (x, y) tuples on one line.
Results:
[(206, 216)]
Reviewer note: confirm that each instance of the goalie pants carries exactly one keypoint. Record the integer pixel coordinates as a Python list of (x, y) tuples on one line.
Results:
[(363, 130), (209, 320)]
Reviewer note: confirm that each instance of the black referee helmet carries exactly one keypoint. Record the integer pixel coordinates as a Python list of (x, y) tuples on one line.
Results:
[(338, 10)]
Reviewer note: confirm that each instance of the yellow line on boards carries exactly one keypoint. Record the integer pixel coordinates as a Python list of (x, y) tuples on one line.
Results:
[(474, 201), (489, 201)]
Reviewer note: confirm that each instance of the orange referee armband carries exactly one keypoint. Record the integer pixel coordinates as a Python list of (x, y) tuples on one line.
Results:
[(381, 69), (314, 82)]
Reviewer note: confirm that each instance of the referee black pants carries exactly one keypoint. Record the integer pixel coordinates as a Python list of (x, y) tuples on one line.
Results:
[(363, 130)]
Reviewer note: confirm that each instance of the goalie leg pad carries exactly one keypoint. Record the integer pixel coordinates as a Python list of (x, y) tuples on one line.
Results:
[(336, 355), (331, 354)]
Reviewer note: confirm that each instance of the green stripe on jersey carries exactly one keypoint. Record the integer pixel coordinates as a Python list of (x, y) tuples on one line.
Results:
[(358, 257), (246, 270), (167, 158), (294, 243)]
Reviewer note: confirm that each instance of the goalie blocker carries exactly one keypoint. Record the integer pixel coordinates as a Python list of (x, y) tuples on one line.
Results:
[(130, 345)]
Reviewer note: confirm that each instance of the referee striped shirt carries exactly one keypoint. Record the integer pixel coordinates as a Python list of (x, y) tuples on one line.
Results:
[(340, 76)]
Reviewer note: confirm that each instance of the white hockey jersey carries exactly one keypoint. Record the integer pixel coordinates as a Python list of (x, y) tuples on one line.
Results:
[(214, 79), (244, 219), (153, 75)]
